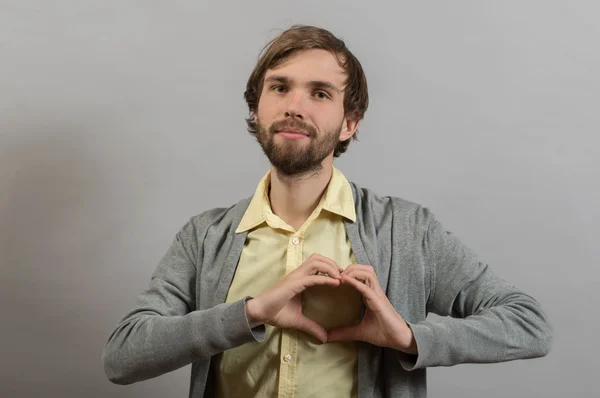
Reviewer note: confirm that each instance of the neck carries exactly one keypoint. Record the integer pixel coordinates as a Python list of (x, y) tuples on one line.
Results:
[(294, 198)]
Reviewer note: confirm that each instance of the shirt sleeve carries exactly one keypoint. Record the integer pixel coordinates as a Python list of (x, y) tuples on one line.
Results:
[(164, 331), (485, 319)]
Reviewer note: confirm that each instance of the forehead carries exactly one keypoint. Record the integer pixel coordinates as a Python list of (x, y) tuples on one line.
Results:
[(311, 65)]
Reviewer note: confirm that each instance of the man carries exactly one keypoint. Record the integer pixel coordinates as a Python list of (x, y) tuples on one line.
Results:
[(315, 286)]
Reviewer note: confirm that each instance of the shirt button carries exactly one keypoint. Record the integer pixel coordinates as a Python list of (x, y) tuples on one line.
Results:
[(287, 358), (295, 240)]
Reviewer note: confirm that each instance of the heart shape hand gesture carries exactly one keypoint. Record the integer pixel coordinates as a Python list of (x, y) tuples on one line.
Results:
[(381, 325)]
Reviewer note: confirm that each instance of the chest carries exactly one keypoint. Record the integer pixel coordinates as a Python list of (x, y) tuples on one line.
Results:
[(270, 254)]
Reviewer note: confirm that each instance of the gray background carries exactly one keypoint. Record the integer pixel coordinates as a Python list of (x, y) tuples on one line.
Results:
[(119, 120)]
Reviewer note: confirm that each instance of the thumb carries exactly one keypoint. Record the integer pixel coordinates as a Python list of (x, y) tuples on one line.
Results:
[(311, 327), (345, 333)]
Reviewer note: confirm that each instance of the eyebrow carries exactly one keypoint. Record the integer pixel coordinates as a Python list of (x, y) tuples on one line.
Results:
[(313, 83)]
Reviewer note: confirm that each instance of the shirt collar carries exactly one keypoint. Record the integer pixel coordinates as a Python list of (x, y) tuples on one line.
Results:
[(338, 199)]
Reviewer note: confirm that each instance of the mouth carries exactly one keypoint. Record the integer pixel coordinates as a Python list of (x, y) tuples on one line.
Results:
[(292, 134), (290, 130)]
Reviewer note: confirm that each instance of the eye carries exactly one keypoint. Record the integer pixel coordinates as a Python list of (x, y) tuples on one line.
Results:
[(321, 95), (279, 89)]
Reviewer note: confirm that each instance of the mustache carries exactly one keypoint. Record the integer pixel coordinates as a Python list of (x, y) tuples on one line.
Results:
[(293, 124)]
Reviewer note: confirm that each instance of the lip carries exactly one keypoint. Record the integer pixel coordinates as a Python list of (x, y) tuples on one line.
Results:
[(292, 135), (293, 131)]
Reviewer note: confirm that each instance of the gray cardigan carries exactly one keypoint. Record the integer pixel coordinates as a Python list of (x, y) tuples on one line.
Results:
[(182, 317)]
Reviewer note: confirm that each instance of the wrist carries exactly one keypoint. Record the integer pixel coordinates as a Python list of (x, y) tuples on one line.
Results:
[(252, 316), (410, 342), (406, 340)]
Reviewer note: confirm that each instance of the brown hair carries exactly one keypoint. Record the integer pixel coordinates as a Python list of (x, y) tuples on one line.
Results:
[(302, 37)]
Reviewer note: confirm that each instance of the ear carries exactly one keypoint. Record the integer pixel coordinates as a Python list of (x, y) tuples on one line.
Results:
[(348, 129)]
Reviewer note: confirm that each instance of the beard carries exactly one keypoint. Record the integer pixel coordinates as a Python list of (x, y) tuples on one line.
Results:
[(295, 157)]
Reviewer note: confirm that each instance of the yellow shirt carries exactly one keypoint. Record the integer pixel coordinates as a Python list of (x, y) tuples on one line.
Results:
[(291, 363)]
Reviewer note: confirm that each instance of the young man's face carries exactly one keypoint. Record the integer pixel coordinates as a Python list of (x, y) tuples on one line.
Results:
[(301, 112)]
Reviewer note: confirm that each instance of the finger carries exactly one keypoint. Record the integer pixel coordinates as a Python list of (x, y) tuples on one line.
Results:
[(362, 267), (314, 280), (314, 266), (317, 265), (367, 292), (343, 334), (311, 327), (299, 285), (328, 260), (367, 277)]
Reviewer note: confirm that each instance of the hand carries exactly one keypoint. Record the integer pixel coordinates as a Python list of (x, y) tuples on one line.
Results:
[(381, 324), (281, 306)]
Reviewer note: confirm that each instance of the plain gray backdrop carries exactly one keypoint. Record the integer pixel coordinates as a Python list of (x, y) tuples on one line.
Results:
[(119, 120)]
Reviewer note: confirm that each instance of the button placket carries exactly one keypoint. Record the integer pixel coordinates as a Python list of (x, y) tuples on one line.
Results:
[(289, 338)]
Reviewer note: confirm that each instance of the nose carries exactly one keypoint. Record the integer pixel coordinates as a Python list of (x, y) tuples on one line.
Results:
[(294, 107)]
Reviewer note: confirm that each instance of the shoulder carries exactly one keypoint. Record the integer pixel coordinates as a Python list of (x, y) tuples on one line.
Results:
[(381, 208), (222, 219)]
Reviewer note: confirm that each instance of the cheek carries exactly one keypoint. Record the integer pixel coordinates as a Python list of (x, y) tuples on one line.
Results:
[(266, 107), (329, 117)]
